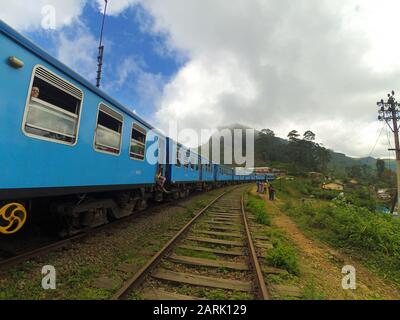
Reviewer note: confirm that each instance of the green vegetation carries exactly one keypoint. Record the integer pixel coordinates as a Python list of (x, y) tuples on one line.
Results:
[(310, 292), (257, 207), (283, 256), (360, 196), (373, 236)]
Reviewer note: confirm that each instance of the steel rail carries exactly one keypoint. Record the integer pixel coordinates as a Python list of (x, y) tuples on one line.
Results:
[(259, 281), (140, 276)]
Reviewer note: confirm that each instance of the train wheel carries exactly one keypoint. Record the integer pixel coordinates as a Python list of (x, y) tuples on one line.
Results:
[(142, 204)]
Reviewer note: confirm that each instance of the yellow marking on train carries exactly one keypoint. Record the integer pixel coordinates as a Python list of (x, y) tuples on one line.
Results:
[(15, 215)]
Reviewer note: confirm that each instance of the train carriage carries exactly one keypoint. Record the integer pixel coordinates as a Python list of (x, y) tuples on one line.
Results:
[(63, 136)]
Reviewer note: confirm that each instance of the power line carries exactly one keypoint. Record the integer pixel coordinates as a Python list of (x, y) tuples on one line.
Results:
[(390, 147), (376, 142)]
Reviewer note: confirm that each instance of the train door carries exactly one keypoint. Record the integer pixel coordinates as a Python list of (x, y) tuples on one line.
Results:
[(162, 156), (200, 166)]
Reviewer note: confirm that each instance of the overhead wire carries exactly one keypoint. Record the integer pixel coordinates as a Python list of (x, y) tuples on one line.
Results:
[(376, 142)]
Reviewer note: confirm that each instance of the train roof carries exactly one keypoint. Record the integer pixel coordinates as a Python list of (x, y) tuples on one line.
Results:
[(29, 45)]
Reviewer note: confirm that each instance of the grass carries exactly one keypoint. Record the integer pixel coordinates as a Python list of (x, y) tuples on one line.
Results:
[(371, 236), (310, 292), (283, 256), (257, 207)]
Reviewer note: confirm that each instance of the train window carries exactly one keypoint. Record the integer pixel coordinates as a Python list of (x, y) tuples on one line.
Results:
[(192, 161), (53, 108), (138, 142), (178, 156), (108, 134), (186, 162)]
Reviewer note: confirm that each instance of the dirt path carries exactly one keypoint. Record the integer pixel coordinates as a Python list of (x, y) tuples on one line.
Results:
[(322, 265)]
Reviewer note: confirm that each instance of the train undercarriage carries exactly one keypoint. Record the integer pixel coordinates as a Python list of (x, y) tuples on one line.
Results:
[(70, 215)]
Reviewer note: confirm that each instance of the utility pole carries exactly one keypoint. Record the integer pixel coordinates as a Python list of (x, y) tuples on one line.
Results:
[(389, 112), (101, 49)]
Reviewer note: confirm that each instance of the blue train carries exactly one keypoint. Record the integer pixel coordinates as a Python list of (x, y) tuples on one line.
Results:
[(68, 143)]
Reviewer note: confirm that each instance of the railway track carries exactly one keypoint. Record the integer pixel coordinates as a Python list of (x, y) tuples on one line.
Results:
[(43, 249), (211, 257)]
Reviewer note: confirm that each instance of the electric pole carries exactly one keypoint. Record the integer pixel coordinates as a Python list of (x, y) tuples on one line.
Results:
[(389, 112), (101, 49)]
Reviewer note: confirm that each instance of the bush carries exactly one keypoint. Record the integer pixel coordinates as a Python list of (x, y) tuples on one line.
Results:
[(283, 256), (361, 198), (326, 194), (257, 207)]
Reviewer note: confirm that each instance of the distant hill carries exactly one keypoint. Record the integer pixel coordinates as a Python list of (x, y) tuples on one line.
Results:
[(270, 150)]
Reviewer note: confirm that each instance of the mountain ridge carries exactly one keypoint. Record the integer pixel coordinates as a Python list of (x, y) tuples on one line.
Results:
[(339, 161)]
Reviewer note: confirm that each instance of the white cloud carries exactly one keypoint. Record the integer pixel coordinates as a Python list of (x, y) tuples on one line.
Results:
[(27, 15), (279, 64), (377, 21), (76, 47), (131, 76), (115, 7)]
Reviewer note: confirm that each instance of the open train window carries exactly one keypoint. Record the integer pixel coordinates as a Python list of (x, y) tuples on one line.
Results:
[(178, 156), (53, 109), (108, 134), (187, 159), (138, 143)]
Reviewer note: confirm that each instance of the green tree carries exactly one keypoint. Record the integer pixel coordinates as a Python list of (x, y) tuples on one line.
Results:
[(268, 132), (293, 135), (309, 136)]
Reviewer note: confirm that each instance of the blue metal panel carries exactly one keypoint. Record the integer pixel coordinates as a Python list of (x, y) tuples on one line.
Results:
[(207, 175), (221, 175), (27, 162), (182, 173)]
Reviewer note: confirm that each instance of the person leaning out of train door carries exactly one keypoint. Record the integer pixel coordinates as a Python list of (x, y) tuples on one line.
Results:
[(35, 92), (161, 179)]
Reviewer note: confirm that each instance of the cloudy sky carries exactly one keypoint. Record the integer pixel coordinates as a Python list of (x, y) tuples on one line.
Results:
[(279, 64)]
